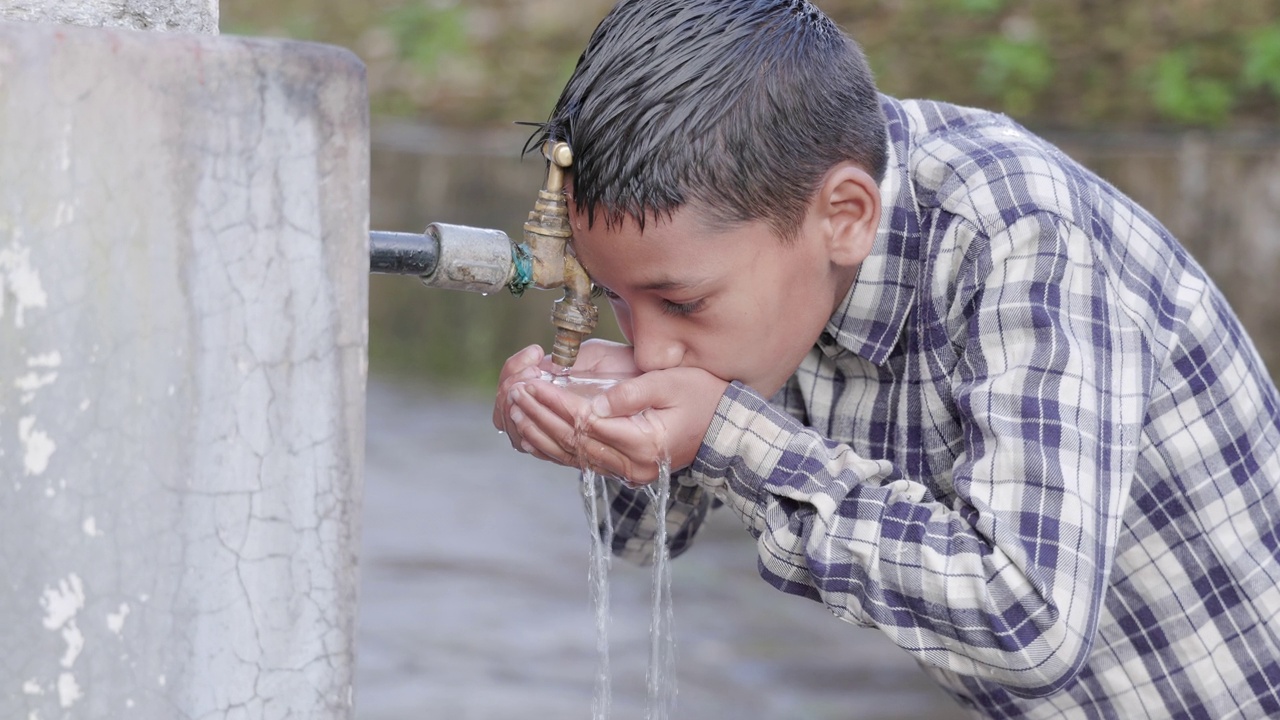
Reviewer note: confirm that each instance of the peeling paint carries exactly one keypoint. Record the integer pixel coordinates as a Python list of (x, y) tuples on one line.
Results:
[(75, 644), (64, 147), (115, 621), (31, 382), (68, 690), (37, 446), (47, 360), (64, 215), (20, 280), (62, 604)]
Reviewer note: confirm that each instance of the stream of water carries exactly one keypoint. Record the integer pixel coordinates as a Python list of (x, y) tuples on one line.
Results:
[(600, 530), (660, 679)]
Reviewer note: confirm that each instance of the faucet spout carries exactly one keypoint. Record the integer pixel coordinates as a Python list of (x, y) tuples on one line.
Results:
[(574, 315)]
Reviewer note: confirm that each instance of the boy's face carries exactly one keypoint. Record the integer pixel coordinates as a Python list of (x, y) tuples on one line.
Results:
[(733, 300)]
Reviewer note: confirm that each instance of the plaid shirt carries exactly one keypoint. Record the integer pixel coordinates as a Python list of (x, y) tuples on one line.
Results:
[(1034, 446)]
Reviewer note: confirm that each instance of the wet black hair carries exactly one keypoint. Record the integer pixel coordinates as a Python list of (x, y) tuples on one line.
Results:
[(741, 106)]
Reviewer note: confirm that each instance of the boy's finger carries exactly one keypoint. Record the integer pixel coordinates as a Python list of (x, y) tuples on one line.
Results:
[(507, 424), (518, 368), (629, 397), (502, 400), (606, 459), (568, 405), (532, 439), (537, 421), (528, 357), (635, 445)]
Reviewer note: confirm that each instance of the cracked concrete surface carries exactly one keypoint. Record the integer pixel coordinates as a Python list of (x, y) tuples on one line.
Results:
[(181, 15), (183, 283)]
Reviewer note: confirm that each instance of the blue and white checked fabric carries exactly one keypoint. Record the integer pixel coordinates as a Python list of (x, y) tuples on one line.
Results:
[(1034, 446)]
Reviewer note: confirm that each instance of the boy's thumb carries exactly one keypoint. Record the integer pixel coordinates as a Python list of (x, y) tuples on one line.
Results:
[(624, 399), (601, 407)]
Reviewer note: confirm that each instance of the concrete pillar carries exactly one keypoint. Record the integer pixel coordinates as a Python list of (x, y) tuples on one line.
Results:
[(183, 282), (188, 15)]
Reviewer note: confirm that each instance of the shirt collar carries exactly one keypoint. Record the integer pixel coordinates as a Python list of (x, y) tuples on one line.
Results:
[(869, 321)]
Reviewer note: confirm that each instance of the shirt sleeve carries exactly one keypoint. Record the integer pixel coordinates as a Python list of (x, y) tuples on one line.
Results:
[(634, 522), (1005, 581)]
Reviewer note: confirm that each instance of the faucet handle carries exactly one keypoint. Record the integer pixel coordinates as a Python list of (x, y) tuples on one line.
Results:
[(559, 157), (559, 153)]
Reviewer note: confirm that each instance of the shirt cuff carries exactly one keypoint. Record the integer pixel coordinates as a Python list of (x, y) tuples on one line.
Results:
[(740, 449)]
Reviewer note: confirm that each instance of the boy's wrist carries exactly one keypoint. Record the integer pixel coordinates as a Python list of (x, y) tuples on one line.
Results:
[(742, 444)]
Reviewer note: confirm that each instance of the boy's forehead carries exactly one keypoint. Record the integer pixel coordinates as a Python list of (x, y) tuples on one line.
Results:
[(621, 261), (669, 253)]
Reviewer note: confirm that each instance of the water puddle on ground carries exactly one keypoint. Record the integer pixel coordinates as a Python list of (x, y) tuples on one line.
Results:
[(660, 678)]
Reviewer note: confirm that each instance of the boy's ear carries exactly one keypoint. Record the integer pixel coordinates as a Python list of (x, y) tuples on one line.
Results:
[(849, 204)]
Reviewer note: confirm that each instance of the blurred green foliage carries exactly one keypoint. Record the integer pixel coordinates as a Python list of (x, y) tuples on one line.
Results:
[(1015, 72), (1262, 59), (1066, 64), (1184, 92)]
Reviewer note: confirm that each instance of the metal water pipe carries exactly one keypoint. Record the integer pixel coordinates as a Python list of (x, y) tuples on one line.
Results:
[(483, 260)]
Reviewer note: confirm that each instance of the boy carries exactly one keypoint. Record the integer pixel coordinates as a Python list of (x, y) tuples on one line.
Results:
[(1010, 422)]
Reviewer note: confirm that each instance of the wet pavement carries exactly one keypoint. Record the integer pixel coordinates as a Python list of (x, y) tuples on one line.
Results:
[(474, 599)]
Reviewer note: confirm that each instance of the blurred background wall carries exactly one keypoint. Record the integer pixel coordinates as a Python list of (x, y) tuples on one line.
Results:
[(1175, 101)]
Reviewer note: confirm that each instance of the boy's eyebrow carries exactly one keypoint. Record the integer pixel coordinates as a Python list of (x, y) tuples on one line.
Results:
[(663, 285), (670, 284)]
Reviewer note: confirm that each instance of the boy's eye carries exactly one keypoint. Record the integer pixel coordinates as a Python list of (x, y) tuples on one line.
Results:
[(682, 309), (599, 290)]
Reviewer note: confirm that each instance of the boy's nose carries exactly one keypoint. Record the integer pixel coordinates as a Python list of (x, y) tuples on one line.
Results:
[(655, 350)]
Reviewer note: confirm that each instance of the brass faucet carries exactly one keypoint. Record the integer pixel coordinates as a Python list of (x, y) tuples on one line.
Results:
[(547, 234), (458, 257)]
